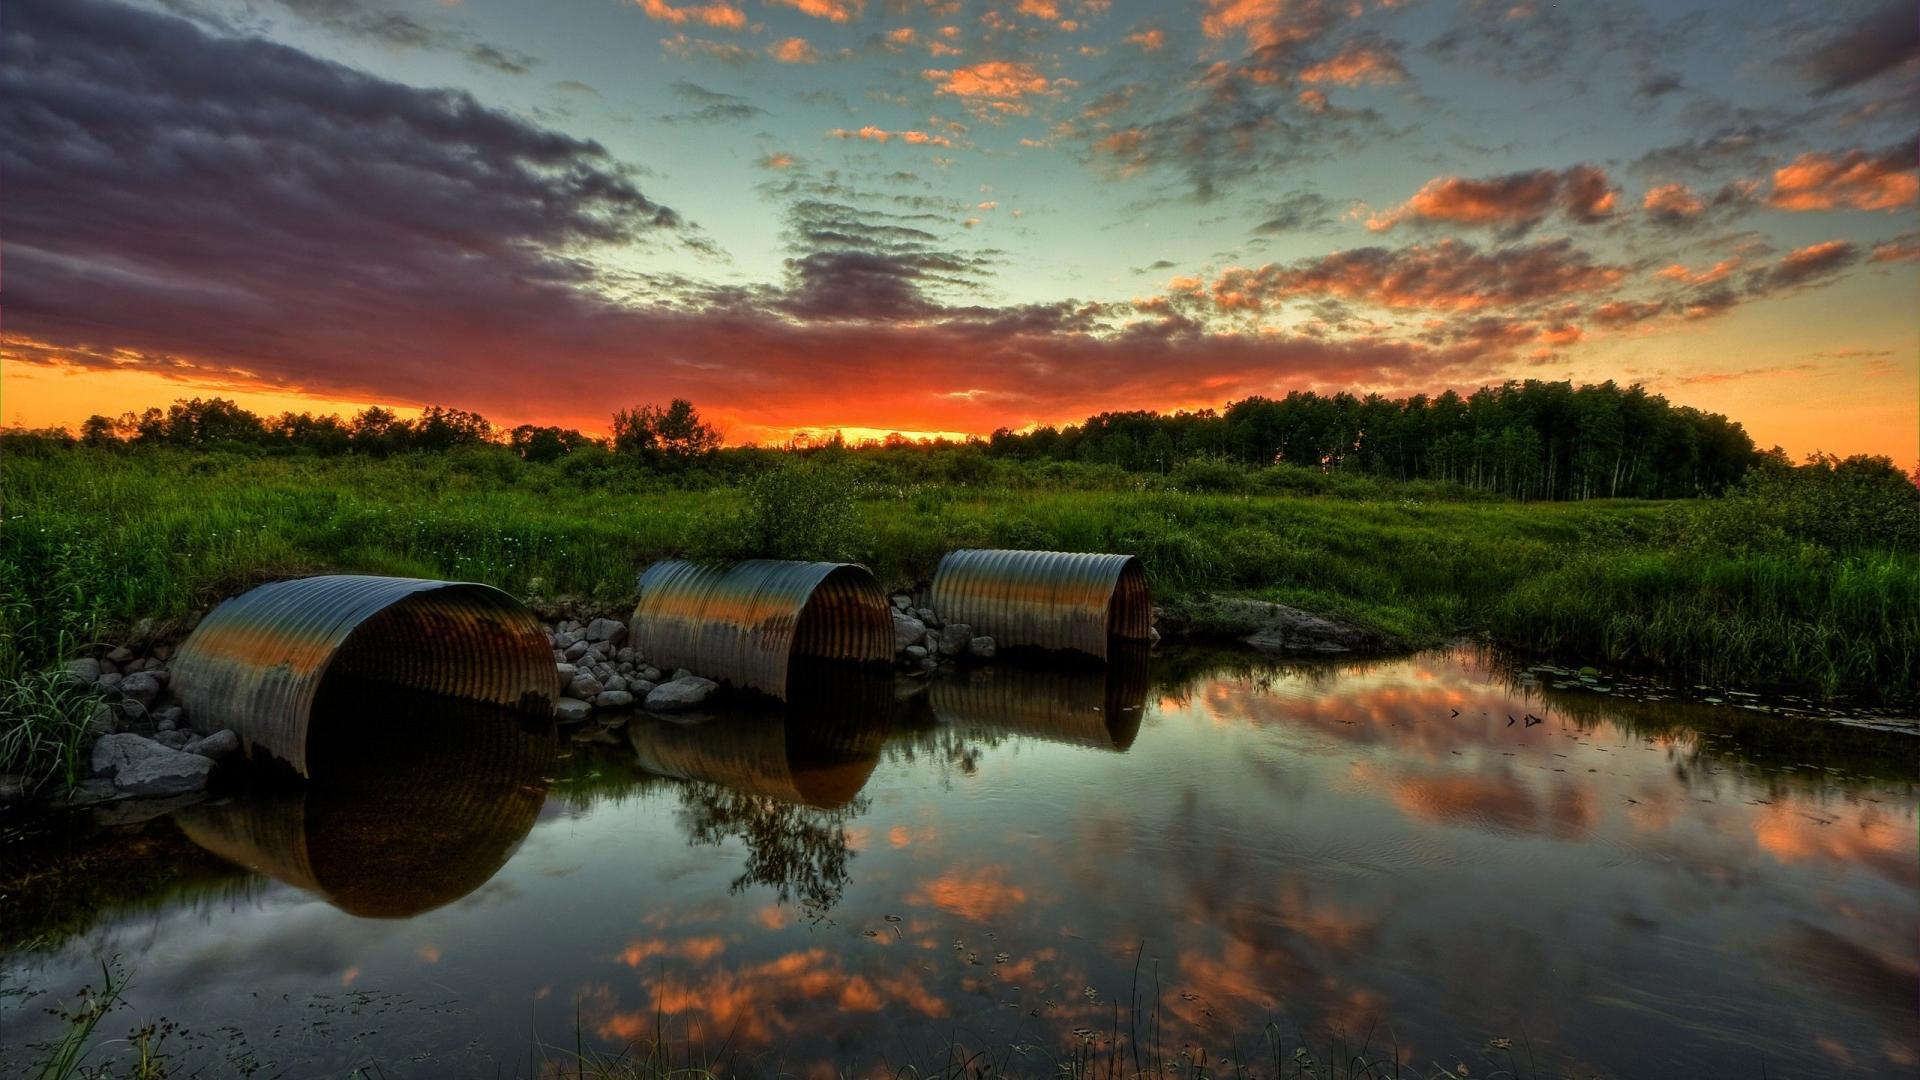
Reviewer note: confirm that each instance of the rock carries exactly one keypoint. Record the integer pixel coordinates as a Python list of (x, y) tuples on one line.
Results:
[(140, 766), (110, 681), (916, 652), (906, 630), (565, 640), (612, 631), (682, 673), (954, 638), (639, 687), (173, 740), (683, 692), (569, 710), (931, 641), (981, 647), (219, 745), (649, 674), (584, 686), (615, 682), (163, 653), (902, 602), (1153, 635), (84, 671), (577, 650), (142, 687), (120, 654), (565, 674), (625, 655), (1282, 629), (102, 720), (926, 616), (160, 673), (613, 699)]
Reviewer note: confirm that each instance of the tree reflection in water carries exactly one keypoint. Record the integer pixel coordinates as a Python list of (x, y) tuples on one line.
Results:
[(801, 852)]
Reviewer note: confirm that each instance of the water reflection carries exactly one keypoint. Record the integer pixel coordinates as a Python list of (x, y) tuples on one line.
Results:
[(1097, 707), (415, 801), (1438, 846)]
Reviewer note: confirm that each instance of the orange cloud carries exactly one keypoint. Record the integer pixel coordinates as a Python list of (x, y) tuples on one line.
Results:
[(1673, 200), (1447, 276), (997, 84), (1516, 200), (1038, 9), (832, 10), (1150, 40), (1356, 63), (1714, 273), (793, 50), (721, 15), (1854, 180), (871, 133)]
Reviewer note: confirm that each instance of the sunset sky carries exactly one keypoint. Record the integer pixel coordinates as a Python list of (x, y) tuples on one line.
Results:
[(947, 216)]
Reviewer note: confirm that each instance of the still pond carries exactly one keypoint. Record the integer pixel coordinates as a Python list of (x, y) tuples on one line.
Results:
[(1194, 857)]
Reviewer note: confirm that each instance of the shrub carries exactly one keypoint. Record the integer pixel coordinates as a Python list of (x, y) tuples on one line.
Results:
[(796, 510), (1210, 474)]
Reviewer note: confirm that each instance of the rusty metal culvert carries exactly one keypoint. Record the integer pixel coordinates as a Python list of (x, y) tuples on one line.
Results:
[(257, 661), (1045, 599), (745, 623)]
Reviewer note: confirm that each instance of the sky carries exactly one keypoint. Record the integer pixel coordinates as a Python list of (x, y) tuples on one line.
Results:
[(942, 216)]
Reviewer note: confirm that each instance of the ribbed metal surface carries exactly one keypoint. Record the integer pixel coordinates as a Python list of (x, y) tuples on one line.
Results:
[(1044, 599), (432, 815), (1098, 708), (255, 663), (744, 623)]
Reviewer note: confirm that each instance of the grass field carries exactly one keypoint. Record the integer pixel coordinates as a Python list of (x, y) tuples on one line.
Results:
[(97, 539)]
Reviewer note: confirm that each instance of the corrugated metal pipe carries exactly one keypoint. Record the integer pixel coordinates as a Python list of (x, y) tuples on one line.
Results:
[(256, 663), (746, 622), (1045, 599)]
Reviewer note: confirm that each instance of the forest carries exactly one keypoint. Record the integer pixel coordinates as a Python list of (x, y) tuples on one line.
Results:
[(1524, 440)]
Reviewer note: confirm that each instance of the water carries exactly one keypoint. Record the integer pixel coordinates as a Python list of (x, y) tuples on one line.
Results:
[(1290, 858)]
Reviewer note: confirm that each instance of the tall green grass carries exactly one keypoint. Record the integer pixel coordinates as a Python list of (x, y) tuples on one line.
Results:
[(94, 541)]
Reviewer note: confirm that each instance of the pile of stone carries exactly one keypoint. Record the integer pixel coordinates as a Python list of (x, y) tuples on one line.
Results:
[(143, 746), (598, 672), (922, 641)]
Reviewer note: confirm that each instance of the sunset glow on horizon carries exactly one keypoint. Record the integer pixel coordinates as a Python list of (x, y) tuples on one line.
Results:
[(942, 218)]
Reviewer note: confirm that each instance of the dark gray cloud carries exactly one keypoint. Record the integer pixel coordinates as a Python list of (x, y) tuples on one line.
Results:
[(1886, 38), (711, 106), (373, 21), (1297, 211)]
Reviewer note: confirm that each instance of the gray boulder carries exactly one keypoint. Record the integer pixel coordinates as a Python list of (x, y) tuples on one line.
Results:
[(174, 740), (954, 638), (120, 654), (140, 766), (902, 602), (683, 692), (577, 650), (584, 686), (219, 745), (916, 652), (569, 710), (906, 630), (565, 674), (85, 671), (612, 631), (1278, 628), (141, 686), (168, 718), (927, 616), (981, 647), (639, 687), (613, 699), (615, 682)]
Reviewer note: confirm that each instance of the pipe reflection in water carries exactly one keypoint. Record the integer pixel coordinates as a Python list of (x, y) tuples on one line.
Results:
[(413, 801), (817, 751), (1092, 707), (784, 781)]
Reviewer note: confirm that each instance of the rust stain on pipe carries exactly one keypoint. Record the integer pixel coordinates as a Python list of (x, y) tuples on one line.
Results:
[(746, 622), (1045, 599), (257, 661)]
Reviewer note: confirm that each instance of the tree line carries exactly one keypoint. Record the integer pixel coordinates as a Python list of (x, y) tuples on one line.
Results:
[(1530, 440)]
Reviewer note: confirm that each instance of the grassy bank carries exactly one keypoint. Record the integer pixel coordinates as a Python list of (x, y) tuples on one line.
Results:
[(95, 540)]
